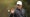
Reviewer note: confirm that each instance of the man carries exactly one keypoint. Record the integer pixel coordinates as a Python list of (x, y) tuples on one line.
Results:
[(19, 12)]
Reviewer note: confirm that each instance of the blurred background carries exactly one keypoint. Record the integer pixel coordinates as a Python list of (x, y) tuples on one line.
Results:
[(5, 5)]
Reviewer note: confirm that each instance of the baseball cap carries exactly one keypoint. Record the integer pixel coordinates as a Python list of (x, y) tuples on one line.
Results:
[(19, 2)]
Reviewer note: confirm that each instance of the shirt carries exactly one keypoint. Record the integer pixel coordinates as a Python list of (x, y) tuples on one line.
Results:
[(19, 13)]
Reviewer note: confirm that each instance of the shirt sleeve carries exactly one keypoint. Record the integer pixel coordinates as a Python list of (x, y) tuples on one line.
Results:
[(15, 14), (23, 11)]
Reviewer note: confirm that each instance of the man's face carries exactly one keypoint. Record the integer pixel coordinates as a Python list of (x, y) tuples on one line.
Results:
[(19, 6)]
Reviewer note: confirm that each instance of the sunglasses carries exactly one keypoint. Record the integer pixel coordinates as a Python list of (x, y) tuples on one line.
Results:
[(18, 5)]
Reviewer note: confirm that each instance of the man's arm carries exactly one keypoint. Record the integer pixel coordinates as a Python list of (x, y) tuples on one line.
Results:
[(23, 12), (15, 14)]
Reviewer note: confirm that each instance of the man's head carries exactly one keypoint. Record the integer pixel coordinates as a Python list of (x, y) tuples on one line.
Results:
[(19, 4)]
